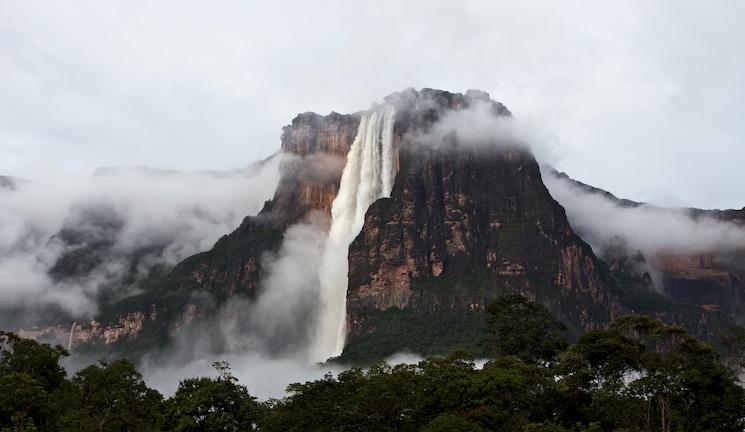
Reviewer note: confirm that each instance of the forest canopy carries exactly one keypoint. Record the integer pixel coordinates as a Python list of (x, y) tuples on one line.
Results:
[(637, 374)]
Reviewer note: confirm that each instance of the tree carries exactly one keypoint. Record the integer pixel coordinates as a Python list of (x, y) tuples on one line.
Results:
[(507, 393), (323, 404), (732, 341), (29, 373), (594, 373), (382, 399), (110, 396), (642, 374), (452, 423), (519, 327), (213, 404)]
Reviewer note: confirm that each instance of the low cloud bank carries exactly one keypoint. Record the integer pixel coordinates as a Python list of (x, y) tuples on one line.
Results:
[(66, 243), (478, 127), (600, 219), (265, 377)]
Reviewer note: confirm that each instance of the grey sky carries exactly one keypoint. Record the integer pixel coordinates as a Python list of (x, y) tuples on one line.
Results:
[(642, 98)]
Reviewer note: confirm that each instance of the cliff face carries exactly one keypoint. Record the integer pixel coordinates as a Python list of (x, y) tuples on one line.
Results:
[(463, 225), (314, 148), (317, 146), (446, 219), (716, 279), (713, 279)]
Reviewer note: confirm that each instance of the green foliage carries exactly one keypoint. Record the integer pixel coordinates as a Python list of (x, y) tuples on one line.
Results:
[(428, 330), (29, 373), (642, 372), (452, 423), (39, 361), (437, 393), (637, 374), (213, 404), (519, 327), (110, 396), (394, 330)]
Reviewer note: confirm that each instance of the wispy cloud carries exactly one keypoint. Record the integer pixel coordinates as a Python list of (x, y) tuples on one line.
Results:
[(134, 218)]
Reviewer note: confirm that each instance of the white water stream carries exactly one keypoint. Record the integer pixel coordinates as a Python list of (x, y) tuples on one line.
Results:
[(367, 176)]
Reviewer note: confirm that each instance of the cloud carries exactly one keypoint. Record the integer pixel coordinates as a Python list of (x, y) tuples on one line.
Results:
[(281, 319), (646, 228), (476, 126), (479, 127), (623, 85), (66, 243), (273, 329), (265, 377), (320, 167)]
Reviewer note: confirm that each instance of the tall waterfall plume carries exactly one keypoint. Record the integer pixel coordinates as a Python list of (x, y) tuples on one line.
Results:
[(367, 176)]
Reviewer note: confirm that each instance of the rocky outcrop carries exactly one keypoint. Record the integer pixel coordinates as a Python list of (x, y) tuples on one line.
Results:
[(447, 218), (713, 279), (317, 146), (461, 211), (127, 326)]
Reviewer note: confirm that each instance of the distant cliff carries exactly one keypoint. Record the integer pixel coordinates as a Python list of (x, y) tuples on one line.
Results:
[(713, 278)]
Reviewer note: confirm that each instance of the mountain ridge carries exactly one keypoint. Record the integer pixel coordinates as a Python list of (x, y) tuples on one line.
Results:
[(505, 235)]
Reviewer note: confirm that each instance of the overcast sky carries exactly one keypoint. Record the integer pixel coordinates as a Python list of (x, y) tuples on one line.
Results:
[(646, 99)]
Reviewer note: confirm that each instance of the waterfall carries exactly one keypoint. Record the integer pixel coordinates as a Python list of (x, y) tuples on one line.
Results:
[(367, 176), (72, 332)]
